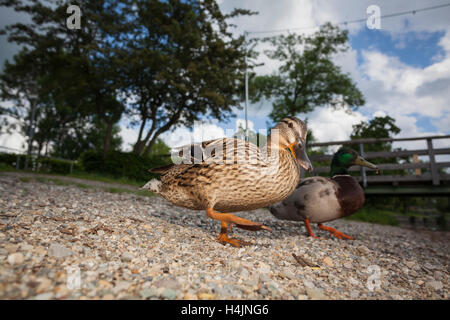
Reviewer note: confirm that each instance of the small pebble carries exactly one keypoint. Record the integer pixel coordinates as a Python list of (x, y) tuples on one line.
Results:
[(16, 258)]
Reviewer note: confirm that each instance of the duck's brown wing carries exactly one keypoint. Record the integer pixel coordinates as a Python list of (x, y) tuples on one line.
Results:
[(210, 151), (230, 148), (190, 153)]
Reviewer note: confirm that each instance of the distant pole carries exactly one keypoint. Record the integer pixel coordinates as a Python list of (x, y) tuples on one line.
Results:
[(246, 88), (363, 169)]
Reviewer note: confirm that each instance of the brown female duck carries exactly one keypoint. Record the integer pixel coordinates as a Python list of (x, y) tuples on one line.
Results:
[(320, 199), (232, 175)]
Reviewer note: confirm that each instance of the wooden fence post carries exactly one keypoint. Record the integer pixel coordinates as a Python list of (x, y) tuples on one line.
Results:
[(418, 171), (433, 167), (363, 169)]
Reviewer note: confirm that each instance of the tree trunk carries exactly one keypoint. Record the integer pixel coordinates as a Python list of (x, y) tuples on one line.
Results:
[(138, 146), (30, 132), (149, 146), (107, 144)]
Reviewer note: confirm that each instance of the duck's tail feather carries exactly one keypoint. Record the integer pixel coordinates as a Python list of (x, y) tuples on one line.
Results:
[(153, 185)]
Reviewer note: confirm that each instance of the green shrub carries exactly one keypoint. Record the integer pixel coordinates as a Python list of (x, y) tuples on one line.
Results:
[(5, 167), (11, 159), (374, 215), (122, 164), (56, 165)]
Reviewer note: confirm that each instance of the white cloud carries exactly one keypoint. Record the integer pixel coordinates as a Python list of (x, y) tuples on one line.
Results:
[(201, 131), (332, 125), (14, 141), (241, 122), (129, 137)]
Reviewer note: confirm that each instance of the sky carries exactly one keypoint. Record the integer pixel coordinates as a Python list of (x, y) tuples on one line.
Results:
[(402, 69)]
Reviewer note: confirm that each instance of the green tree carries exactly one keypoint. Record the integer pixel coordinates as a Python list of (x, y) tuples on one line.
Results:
[(160, 148), (307, 76), (183, 64), (378, 127), (80, 139), (20, 85), (79, 69)]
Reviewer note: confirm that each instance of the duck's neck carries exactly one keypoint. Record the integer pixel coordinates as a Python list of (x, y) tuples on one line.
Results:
[(337, 169)]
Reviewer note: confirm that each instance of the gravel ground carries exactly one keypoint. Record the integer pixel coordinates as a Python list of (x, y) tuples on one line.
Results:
[(63, 242)]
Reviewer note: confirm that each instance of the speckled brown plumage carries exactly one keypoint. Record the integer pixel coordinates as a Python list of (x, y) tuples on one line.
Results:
[(232, 187), (230, 175)]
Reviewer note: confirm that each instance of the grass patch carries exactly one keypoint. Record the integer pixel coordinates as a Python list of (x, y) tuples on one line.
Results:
[(107, 179), (81, 175), (374, 215), (4, 167), (86, 186)]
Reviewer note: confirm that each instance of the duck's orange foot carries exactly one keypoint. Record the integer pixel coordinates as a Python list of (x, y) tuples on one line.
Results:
[(308, 227), (238, 221), (253, 226), (223, 239), (335, 232)]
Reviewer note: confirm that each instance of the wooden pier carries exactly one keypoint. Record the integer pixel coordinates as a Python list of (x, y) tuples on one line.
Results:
[(410, 177)]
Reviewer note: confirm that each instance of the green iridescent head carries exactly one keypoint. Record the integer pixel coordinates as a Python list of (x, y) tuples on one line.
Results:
[(344, 158)]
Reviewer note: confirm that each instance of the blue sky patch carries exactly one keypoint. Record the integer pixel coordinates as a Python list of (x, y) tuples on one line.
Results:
[(417, 49)]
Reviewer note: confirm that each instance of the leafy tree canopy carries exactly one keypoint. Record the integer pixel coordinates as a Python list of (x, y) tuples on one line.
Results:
[(378, 127), (307, 76)]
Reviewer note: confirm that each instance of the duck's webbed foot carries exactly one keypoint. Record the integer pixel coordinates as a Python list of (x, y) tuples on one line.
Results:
[(223, 238), (239, 222), (334, 232), (308, 228), (228, 218)]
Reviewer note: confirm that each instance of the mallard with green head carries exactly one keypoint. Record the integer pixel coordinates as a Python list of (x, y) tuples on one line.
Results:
[(229, 175), (319, 199)]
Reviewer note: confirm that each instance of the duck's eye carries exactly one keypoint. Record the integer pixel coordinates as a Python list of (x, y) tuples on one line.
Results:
[(291, 125)]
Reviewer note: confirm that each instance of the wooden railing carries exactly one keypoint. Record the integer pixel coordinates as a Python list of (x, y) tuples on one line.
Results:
[(411, 172)]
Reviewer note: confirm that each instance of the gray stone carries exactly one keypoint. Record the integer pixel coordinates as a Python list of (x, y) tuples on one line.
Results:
[(59, 251), (438, 275), (148, 293), (316, 294), (121, 286), (169, 294), (15, 258), (308, 284), (435, 285), (363, 250), (44, 296), (169, 283), (364, 261), (126, 257)]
